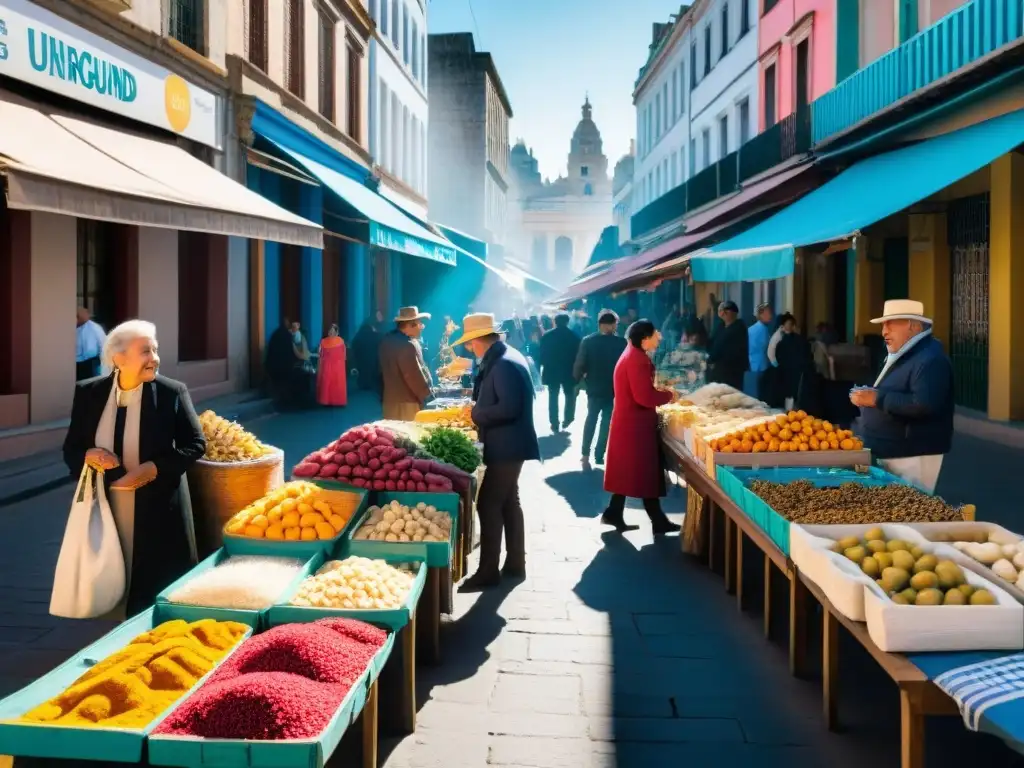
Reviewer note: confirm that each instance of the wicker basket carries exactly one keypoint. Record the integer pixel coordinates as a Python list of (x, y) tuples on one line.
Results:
[(220, 489)]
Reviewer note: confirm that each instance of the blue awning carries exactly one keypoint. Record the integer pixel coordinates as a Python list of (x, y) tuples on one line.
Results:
[(387, 226), (466, 242), (863, 194)]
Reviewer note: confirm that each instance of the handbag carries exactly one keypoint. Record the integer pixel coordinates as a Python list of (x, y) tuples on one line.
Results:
[(89, 580)]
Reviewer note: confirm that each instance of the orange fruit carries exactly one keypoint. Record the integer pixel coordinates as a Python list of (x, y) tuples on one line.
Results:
[(308, 534), (254, 532), (807, 430), (746, 446), (803, 447), (846, 444), (784, 446), (726, 449), (813, 442), (760, 446), (785, 434), (293, 533)]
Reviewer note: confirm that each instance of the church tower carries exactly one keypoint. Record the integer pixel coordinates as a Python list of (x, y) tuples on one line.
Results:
[(588, 166)]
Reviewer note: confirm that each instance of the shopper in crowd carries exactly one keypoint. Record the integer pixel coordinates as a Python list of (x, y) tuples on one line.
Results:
[(793, 361), (89, 340), (695, 334), (280, 360), (366, 350), (672, 328), (627, 320), (140, 431), (558, 349), (515, 336), (405, 380), (712, 317), (758, 336), (503, 413), (728, 357), (331, 376), (595, 370), (635, 464), (907, 417)]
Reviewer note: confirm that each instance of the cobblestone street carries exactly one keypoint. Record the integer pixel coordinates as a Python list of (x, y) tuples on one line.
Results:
[(617, 651)]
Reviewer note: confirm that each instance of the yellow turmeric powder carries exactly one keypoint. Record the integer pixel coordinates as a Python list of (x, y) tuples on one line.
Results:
[(132, 687)]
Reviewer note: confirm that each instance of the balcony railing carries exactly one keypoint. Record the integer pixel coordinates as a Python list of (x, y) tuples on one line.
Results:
[(784, 140), (967, 34)]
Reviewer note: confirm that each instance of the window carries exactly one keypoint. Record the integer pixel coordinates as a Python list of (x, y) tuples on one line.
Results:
[(354, 94), (423, 60), (657, 116), (705, 140), (405, 34), (707, 49), (255, 20), (650, 129), (325, 77), (185, 23), (768, 5), (725, 29), (384, 138), (723, 136), (769, 96), (744, 118), (584, 170), (664, 175), (693, 65), (693, 156), (588, 190), (97, 276), (675, 158), (682, 88), (657, 181), (384, 17), (675, 96), (293, 47), (395, 21), (664, 107), (803, 80), (415, 55), (744, 17)]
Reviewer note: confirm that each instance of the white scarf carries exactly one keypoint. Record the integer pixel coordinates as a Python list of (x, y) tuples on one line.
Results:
[(890, 361), (105, 429)]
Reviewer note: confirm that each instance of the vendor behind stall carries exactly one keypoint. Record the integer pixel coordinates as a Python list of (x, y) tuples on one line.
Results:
[(907, 417), (728, 360)]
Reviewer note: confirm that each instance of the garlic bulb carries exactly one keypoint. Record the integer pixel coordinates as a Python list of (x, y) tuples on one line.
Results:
[(985, 553), (1004, 569)]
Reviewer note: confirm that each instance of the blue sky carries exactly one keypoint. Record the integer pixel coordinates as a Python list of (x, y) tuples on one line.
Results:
[(551, 53)]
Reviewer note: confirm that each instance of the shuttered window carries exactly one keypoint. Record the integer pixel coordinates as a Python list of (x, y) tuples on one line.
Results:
[(325, 79), (255, 20), (185, 23), (294, 42)]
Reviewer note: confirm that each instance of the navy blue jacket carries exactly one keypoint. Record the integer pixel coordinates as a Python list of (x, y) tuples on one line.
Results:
[(913, 415), (503, 393)]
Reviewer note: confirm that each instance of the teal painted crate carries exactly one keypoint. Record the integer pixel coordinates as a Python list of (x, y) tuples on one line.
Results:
[(196, 612), (736, 482), (120, 745), (438, 553), (393, 619), (303, 550), (196, 752)]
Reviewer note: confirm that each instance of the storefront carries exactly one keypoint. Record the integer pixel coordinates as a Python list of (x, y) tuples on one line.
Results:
[(367, 236), (109, 203)]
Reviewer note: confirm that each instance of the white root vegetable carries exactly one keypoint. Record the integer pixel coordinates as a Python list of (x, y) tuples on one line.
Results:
[(1004, 569)]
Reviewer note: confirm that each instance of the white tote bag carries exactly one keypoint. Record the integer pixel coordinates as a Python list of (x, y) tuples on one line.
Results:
[(89, 580)]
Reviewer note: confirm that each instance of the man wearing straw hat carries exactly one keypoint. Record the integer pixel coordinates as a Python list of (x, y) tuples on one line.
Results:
[(405, 378), (907, 417), (503, 414)]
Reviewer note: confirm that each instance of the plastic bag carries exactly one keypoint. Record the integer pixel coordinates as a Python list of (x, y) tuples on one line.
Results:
[(89, 580)]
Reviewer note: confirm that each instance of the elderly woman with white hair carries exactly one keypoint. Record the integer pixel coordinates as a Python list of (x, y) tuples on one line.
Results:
[(140, 430)]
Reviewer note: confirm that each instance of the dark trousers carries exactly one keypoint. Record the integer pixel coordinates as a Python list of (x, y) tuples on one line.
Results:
[(567, 387), (87, 369), (597, 407), (617, 506), (499, 509)]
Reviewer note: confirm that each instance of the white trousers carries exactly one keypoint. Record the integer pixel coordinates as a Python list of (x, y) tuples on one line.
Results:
[(922, 471)]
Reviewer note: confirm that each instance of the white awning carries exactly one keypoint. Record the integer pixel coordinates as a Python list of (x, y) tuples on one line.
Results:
[(62, 164)]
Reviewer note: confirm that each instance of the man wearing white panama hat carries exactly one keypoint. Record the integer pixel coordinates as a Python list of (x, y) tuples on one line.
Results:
[(907, 417), (503, 414), (405, 380)]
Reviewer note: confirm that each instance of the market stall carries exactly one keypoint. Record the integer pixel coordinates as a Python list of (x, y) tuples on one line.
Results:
[(933, 596)]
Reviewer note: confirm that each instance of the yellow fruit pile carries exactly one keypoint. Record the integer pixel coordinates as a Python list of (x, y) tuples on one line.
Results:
[(793, 431), (297, 511), (460, 417), (227, 441)]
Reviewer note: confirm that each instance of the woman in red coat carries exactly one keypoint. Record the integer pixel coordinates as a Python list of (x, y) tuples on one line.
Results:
[(634, 465), (331, 375)]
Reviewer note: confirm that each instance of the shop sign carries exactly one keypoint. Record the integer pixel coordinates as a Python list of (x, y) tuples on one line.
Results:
[(45, 50)]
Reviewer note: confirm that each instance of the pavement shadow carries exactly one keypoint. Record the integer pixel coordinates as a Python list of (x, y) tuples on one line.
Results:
[(553, 446), (582, 490)]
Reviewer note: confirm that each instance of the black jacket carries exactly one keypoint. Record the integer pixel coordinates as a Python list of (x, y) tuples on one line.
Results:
[(595, 363), (914, 411), (558, 349), (169, 436), (727, 355), (503, 393)]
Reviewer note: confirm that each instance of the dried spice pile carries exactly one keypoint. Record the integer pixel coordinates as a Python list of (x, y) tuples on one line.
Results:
[(286, 683), (132, 687), (852, 503)]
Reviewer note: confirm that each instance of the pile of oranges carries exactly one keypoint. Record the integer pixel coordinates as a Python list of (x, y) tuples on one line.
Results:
[(788, 432), (297, 511)]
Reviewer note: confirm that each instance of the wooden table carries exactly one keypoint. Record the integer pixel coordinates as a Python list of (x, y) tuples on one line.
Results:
[(919, 697)]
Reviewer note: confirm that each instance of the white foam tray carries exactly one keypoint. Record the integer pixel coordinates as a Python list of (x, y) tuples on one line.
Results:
[(841, 580)]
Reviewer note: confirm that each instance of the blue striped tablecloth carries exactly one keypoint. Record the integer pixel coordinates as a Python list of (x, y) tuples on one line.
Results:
[(988, 687)]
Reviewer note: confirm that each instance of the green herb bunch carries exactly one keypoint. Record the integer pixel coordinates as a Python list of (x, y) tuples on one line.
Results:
[(452, 446)]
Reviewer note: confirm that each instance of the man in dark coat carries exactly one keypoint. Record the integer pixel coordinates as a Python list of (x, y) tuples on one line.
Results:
[(503, 414), (280, 358), (727, 355), (595, 369), (907, 417), (558, 350), (405, 380)]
